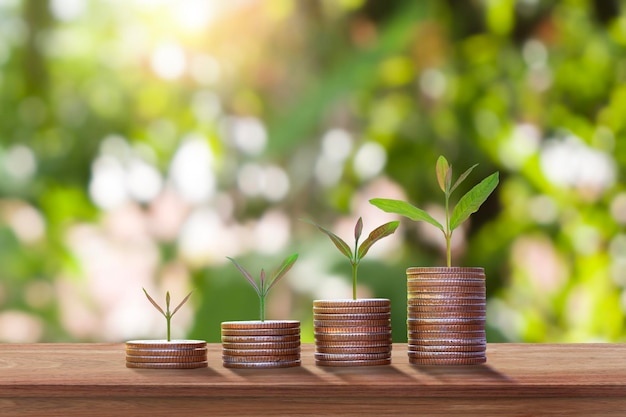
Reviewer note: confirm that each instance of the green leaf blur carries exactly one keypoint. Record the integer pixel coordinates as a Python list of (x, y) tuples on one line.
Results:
[(143, 142)]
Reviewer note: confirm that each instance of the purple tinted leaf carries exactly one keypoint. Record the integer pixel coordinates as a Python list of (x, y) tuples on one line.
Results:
[(358, 229), (154, 303), (282, 270), (377, 234), (246, 274), (181, 303), (462, 178), (339, 243), (262, 281)]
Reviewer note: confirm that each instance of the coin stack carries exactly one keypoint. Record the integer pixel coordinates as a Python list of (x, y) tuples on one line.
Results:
[(261, 344), (161, 354), (352, 332), (446, 316)]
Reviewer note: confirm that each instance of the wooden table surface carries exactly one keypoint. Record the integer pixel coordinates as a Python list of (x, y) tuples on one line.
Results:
[(518, 380)]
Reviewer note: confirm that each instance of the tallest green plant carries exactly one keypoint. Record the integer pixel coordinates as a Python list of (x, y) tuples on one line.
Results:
[(467, 205)]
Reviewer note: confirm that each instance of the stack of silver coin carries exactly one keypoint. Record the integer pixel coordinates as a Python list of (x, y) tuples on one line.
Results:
[(352, 332), (261, 344), (446, 316), (161, 354)]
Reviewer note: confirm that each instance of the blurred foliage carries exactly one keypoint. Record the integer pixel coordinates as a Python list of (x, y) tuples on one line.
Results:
[(141, 142)]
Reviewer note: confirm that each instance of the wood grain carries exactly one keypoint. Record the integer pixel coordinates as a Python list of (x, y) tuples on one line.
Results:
[(518, 380)]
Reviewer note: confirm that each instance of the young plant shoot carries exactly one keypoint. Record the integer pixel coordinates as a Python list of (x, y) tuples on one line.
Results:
[(167, 314), (467, 205), (264, 285), (359, 251)]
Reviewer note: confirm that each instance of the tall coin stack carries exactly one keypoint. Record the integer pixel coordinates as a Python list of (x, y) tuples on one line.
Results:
[(261, 344), (446, 316), (352, 332), (161, 354)]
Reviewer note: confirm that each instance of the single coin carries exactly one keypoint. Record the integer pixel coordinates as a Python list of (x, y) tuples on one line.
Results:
[(370, 316), (353, 363), (352, 356), (425, 287), (458, 321), (261, 352), (364, 302), (441, 361), (260, 359), (171, 365), (444, 269), (443, 301), (261, 332), (352, 350), (350, 330), (165, 359), (261, 339), (446, 355), (468, 329), (439, 341), (470, 308), (432, 282), (354, 344), (467, 277), (351, 323), (261, 345), (164, 344), (448, 348), (351, 310), (446, 296), (331, 337), (267, 324), (165, 352), (262, 365), (445, 315)]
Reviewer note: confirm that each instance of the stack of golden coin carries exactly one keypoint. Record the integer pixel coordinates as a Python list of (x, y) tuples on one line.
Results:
[(446, 316), (161, 354), (352, 332), (261, 344)]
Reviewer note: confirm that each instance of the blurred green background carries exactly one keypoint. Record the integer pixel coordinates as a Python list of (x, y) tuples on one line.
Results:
[(143, 141)]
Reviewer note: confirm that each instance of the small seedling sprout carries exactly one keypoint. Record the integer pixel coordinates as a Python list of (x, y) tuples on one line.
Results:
[(359, 251), (264, 285), (166, 313)]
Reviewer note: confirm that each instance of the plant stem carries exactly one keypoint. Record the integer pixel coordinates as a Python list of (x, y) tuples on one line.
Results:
[(355, 265), (262, 304), (168, 319), (448, 232)]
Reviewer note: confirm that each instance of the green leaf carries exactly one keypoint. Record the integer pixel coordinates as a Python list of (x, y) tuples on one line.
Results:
[(405, 209), (282, 270), (377, 234), (181, 304), (246, 274), (154, 303), (471, 202), (358, 229), (462, 178), (339, 243), (443, 171)]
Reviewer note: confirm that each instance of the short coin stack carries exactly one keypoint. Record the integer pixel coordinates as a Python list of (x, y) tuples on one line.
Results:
[(161, 354), (352, 332), (446, 316), (261, 344)]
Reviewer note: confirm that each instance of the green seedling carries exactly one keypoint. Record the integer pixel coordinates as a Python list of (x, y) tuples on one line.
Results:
[(264, 285), (166, 313), (359, 251), (467, 205)]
